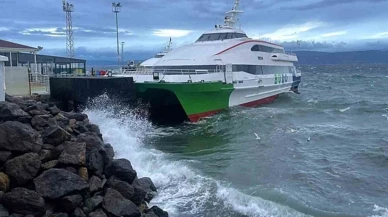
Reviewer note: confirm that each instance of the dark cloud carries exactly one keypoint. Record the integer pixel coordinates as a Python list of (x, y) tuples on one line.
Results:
[(332, 3)]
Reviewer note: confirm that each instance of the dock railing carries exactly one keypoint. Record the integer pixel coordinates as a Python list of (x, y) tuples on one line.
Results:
[(39, 84)]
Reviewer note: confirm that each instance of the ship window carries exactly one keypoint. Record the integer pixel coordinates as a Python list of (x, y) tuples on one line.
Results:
[(220, 36), (266, 49)]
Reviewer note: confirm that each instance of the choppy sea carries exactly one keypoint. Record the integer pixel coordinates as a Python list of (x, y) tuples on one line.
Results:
[(323, 152)]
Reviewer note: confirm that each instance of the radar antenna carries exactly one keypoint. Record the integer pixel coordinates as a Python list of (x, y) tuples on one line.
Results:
[(231, 16)]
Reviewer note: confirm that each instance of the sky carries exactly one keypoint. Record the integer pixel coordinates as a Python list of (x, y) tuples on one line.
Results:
[(146, 25)]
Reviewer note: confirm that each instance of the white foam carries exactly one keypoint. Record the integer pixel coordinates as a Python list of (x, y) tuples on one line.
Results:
[(181, 189), (344, 110), (381, 211)]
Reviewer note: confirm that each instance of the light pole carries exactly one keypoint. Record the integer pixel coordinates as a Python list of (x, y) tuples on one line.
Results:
[(122, 51), (116, 7)]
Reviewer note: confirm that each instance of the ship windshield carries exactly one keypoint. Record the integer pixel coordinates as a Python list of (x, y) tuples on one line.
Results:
[(220, 36)]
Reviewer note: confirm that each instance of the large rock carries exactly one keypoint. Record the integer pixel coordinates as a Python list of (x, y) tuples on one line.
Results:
[(122, 169), (98, 213), (95, 162), (24, 168), (139, 195), (56, 183), (124, 188), (159, 212), (56, 135), (24, 201), (76, 116), (93, 142), (49, 165), (95, 184), (40, 121), (110, 153), (19, 137), (115, 204), (78, 213), (4, 182), (73, 154), (148, 186), (53, 110), (93, 203), (4, 156), (69, 203), (11, 112)]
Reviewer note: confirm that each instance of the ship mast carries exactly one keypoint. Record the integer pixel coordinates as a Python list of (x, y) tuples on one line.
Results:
[(231, 16)]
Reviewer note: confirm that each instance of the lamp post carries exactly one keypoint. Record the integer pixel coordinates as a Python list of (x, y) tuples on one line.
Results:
[(116, 7), (36, 64)]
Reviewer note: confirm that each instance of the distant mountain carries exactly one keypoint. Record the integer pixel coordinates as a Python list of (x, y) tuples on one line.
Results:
[(349, 57)]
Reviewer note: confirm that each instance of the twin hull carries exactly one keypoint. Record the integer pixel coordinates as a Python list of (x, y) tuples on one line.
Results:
[(198, 98)]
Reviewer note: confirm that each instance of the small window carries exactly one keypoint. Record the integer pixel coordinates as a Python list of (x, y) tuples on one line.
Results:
[(214, 37)]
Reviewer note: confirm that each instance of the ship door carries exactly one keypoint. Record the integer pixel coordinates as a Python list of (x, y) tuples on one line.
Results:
[(228, 73)]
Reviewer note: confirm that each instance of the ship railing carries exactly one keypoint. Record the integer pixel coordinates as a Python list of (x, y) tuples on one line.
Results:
[(186, 71)]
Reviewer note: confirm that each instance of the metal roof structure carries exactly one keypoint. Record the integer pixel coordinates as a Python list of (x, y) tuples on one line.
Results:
[(7, 46)]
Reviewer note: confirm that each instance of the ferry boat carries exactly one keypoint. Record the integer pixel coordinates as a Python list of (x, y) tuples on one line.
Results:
[(223, 68), (149, 63)]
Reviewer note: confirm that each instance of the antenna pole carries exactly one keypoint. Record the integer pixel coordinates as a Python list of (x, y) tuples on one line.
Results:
[(68, 9), (122, 51), (116, 7)]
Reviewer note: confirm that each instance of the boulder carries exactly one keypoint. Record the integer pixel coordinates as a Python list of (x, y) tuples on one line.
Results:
[(49, 165), (38, 112), (72, 123), (19, 137), (24, 201), (148, 186), (122, 169), (4, 182), (76, 116), (61, 120), (24, 168), (16, 215), (125, 189), (98, 213), (93, 142), (53, 110), (93, 128), (139, 195), (73, 154), (56, 135), (72, 170), (3, 211), (95, 162), (4, 156), (55, 183), (60, 215), (110, 153), (115, 204), (78, 213), (95, 184), (1, 197), (93, 203), (11, 112), (46, 155), (69, 203), (158, 211), (83, 173), (40, 121)]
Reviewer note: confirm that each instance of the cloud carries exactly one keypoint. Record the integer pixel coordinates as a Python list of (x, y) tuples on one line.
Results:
[(379, 35), (331, 3), (331, 34), (292, 31), (171, 32)]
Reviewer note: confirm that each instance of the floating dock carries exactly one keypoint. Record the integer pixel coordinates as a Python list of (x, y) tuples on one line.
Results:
[(72, 93)]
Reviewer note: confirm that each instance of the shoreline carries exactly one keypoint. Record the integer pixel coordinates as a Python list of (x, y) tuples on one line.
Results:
[(56, 163)]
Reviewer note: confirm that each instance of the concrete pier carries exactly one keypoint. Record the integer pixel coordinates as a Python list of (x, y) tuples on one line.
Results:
[(74, 92)]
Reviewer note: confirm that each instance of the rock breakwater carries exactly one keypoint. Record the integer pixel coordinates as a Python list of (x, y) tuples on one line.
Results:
[(55, 163)]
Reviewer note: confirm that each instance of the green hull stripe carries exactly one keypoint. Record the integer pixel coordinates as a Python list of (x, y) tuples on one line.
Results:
[(195, 98)]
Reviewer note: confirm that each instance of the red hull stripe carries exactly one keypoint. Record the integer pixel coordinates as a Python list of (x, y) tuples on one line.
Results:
[(260, 101), (244, 42), (197, 117)]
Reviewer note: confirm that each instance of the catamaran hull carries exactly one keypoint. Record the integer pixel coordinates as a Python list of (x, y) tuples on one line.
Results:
[(201, 99)]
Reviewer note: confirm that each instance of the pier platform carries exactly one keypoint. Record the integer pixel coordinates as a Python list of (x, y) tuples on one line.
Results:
[(72, 93)]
